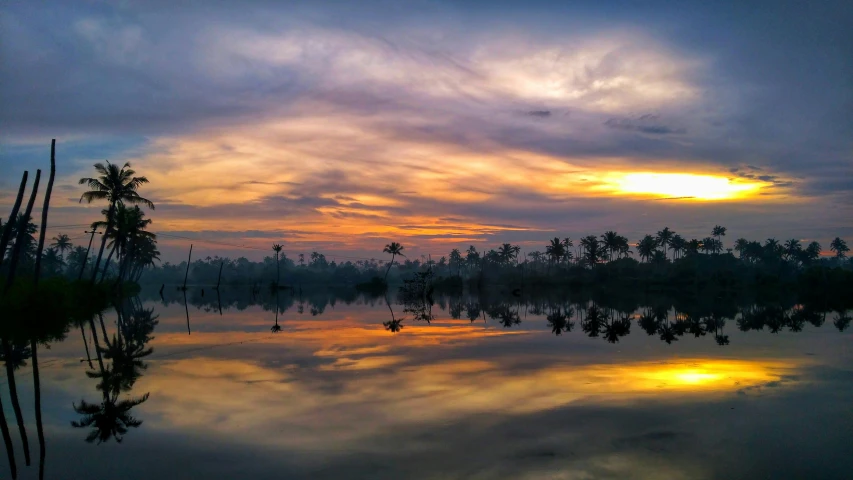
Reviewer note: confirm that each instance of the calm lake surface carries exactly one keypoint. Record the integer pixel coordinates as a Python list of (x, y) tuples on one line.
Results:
[(495, 392)]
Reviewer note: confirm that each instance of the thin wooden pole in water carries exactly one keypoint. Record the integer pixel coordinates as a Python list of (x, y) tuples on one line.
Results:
[(44, 209), (22, 232), (37, 389), (13, 217), (187, 309), (187, 273), (219, 279)]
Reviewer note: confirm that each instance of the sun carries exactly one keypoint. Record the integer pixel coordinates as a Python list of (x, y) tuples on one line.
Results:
[(681, 185)]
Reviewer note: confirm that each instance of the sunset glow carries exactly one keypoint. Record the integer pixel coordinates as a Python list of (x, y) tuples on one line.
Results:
[(683, 185)]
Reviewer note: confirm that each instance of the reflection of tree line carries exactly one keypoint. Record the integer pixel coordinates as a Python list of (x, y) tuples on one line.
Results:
[(312, 301), (611, 316)]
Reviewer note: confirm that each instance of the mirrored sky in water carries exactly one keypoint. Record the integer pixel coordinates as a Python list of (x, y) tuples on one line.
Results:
[(336, 126), (334, 394)]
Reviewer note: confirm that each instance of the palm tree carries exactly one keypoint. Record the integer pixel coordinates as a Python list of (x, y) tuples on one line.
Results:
[(678, 245), (115, 185), (793, 248), (593, 251), (277, 249), (567, 246), (455, 259), (394, 249), (61, 243), (612, 243), (812, 252), (555, 251), (839, 246), (647, 247), (740, 246), (663, 238), (719, 232), (506, 253)]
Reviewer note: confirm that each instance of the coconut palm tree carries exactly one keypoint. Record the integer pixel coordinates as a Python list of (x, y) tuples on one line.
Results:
[(61, 243), (277, 249), (506, 253), (555, 251), (611, 243), (793, 249), (718, 232), (663, 237), (593, 250), (115, 185), (839, 246), (567, 246), (740, 246), (678, 245), (812, 252), (647, 247), (394, 249)]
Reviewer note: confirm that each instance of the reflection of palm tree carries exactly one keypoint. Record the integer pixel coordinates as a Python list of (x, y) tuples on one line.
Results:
[(110, 418), (392, 325), (276, 328)]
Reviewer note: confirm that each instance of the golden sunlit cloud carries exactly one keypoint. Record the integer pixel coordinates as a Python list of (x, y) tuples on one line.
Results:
[(681, 185)]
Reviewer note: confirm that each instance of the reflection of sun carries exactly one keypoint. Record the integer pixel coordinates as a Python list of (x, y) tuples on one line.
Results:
[(700, 187)]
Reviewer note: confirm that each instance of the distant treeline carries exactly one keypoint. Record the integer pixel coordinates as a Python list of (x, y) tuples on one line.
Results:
[(665, 259)]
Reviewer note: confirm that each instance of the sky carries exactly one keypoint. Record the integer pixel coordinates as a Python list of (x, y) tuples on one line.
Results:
[(342, 126)]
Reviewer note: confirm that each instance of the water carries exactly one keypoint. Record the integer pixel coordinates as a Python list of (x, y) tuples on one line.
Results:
[(336, 394)]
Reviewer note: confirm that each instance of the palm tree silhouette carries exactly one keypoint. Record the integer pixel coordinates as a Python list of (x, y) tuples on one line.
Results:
[(718, 232), (115, 185), (555, 251), (612, 243), (61, 243), (277, 249), (663, 237), (394, 248), (839, 246), (740, 246), (647, 247)]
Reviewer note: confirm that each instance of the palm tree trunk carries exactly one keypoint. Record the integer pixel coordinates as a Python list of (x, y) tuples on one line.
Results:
[(22, 232), (389, 267), (110, 215), (44, 209), (16, 405), (13, 217), (86, 258), (107, 263)]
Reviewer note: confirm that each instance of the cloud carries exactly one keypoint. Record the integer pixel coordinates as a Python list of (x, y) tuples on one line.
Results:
[(644, 124)]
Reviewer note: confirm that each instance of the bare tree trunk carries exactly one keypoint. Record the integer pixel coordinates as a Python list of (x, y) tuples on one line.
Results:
[(13, 217), (22, 232), (44, 209), (219, 279)]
